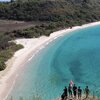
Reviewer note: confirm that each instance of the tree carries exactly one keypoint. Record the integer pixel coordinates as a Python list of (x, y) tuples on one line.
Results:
[(12, 1), (2, 65), (19, 1), (85, 1)]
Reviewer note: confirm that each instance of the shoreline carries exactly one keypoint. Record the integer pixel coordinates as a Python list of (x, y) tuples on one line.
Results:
[(31, 47)]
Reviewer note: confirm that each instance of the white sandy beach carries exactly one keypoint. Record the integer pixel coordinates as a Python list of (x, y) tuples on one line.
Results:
[(31, 47)]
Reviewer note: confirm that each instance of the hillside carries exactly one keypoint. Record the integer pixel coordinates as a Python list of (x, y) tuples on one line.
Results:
[(9, 25), (71, 11)]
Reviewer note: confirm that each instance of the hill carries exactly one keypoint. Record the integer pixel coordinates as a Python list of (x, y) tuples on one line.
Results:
[(71, 11), (10, 25)]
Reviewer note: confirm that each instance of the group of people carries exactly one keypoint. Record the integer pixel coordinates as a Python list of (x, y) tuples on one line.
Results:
[(74, 91)]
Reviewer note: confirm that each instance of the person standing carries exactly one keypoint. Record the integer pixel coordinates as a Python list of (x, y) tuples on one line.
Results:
[(70, 90), (75, 90), (87, 91), (62, 96), (79, 92), (65, 92)]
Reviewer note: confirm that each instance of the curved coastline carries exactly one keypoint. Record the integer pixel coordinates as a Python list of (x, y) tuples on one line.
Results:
[(31, 47)]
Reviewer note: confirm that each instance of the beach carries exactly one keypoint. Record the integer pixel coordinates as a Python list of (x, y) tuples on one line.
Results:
[(31, 47)]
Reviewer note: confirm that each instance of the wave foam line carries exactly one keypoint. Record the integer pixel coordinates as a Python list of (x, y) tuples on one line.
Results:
[(42, 47)]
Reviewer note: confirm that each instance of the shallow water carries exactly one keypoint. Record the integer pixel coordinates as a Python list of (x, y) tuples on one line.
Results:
[(71, 57)]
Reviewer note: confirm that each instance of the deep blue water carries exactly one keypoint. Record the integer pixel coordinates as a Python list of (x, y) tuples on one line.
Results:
[(71, 57)]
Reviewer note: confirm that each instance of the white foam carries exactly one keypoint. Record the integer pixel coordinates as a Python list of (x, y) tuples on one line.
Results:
[(31, 57), (55, 37)]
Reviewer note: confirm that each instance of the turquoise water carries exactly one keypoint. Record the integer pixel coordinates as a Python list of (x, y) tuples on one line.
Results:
[(71, 57)]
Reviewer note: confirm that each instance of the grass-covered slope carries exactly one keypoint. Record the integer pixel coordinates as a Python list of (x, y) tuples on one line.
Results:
[(7, 49), (52, 10)]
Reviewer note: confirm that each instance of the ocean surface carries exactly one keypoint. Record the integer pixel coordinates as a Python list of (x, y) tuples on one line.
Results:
[(75, 56)]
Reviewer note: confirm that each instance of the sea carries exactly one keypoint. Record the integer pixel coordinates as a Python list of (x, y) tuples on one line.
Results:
[(74, 56)]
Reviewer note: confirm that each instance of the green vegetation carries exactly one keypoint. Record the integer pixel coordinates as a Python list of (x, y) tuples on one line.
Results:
[(78, 11), (35, 31), (7, 50)]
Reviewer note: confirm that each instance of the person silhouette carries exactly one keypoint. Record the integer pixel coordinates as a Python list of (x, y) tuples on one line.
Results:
[(75, 90), (70, 90), (65, 92), (87, 91), (62, 96), (79, 92)]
